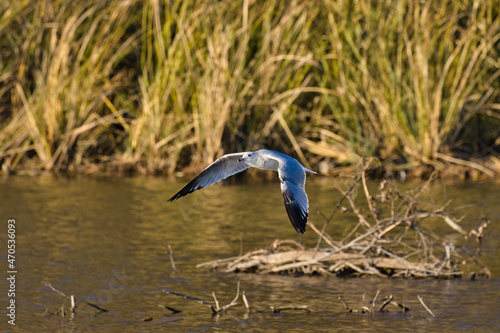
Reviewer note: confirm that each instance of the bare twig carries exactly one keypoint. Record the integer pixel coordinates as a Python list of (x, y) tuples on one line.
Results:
[(345, 304), (170, 253), (174, 311), (97, 307), (71, 298), (425, 306), (57, 291), (386, 302), (374, 299), (327, 220), (73, 305), (245, 300), (233, 302), (217, 308), (321, 235), (290, 307), (199, 300), (369, 198)]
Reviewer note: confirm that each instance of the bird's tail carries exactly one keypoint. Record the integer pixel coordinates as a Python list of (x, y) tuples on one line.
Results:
[(310, 171)]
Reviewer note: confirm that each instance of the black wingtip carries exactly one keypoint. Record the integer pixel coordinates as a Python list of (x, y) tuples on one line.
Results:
[(302, 228), (175, 197), (179, 194), (296, 216)]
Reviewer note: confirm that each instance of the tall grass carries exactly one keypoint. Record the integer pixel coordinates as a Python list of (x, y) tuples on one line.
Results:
[(408, 76), (64, 56), (155, 85)]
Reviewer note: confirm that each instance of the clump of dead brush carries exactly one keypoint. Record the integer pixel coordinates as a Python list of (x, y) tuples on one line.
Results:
[(390, 239)]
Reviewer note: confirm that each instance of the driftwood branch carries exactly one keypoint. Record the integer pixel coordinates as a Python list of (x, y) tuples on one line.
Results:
[(389, 239), (215, 309)]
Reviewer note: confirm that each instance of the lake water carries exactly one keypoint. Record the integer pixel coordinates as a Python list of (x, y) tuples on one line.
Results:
[(104, 241)]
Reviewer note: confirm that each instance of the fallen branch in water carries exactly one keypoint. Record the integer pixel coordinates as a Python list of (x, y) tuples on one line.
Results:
[(425, 306), (215, 309), (390, 239), (199, 300), (72, 302), (289, 307), (245, 301), (386, 302), (170, 253), (174, 311), (97, 307), (372, 310)]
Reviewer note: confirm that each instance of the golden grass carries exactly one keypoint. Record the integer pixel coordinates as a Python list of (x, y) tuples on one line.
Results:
[(156, 85)]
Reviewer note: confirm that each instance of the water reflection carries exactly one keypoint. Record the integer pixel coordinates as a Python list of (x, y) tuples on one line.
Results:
[(101, 240)]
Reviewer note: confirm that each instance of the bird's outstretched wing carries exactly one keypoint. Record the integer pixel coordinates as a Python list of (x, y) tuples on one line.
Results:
[(222, 168), (293, 179)]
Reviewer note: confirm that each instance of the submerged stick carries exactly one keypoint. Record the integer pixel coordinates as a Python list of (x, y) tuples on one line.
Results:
[(425, 306), (71, 298), (73, 306), (244, 296), (199, 300), (387, 301), (97, 307), (170, 252), (233, 302), (374, 299), (217, 308), (290, 307), (57, 291), (345, 304), (174, 311)]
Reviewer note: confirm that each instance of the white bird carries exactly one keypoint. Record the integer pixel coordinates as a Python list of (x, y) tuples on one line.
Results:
[(291, 173)]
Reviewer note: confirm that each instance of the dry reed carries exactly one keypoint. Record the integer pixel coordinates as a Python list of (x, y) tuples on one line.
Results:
[(154, 86)]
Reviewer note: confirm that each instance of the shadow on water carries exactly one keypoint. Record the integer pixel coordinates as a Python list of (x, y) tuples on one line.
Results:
[(103, 240)]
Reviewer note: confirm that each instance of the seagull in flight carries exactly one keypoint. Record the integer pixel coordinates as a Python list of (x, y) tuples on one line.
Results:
[(291, 173)]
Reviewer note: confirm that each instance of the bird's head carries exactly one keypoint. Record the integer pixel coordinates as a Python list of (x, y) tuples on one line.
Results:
[(249, 158)]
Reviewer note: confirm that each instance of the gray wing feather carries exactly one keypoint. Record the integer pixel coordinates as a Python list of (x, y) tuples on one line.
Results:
[(222, 168), (293, 180)]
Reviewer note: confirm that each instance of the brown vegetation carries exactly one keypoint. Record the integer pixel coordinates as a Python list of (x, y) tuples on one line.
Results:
[(154, 86)]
